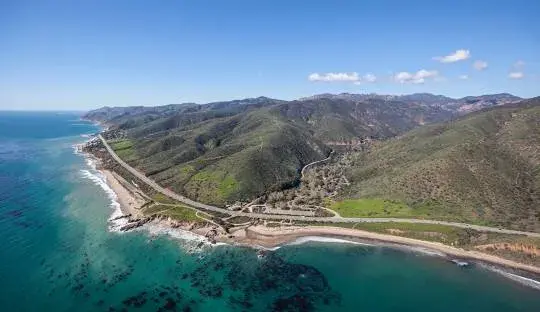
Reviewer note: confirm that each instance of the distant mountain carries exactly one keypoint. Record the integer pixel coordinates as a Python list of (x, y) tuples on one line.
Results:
[(474, 103), (459, 106), (349, 97), (481, 168), (119, 115)]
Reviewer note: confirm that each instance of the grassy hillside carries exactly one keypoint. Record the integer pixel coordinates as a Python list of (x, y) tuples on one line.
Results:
[(227, 151), (483, 168)]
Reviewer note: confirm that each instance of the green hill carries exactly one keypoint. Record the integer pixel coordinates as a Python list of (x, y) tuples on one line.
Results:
[(227, 151), (482, 168)]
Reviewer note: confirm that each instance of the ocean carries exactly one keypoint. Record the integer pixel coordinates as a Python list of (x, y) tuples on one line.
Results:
[(59, 254)]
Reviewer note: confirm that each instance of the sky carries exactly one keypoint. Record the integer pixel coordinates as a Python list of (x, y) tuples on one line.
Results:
[(79, 55)]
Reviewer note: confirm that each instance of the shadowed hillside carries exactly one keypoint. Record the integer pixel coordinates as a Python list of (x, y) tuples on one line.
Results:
[(484, 167)]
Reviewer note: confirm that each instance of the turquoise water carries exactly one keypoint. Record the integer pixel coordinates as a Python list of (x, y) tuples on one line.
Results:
[(57, 254)]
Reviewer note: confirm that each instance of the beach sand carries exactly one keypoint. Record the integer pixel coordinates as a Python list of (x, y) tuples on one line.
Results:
[(273, 237), (130, 200)]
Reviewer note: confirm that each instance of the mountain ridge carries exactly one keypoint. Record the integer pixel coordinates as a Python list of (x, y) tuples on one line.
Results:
[(228, 151), (481, 167)]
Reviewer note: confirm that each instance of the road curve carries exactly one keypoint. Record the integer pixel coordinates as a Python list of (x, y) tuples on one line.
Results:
[(315, 162), (199, 205)]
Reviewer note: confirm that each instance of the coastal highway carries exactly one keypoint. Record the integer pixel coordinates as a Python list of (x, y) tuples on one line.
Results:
[(335, 219)]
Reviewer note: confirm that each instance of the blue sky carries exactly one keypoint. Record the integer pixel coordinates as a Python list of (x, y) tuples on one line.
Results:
[(86, 54)]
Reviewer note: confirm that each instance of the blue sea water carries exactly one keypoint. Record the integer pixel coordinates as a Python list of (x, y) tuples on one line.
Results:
[(57, 253)]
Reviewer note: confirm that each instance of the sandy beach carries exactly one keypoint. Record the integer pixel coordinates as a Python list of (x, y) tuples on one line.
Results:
[(272, 237), (129, 200)]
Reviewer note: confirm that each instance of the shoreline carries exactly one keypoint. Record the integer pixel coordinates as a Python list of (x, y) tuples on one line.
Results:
[(129, 204), (259, 236), (275, 237)]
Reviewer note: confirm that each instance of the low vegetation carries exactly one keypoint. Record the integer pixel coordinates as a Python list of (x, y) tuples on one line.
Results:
[(483, 168), (124, 149), (430, 232), (371, 207), (514, 247), (176, 212), (161, 198), (224, 152)]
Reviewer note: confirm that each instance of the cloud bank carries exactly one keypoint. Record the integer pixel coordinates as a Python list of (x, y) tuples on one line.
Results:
[(416, 78), (353, 77)]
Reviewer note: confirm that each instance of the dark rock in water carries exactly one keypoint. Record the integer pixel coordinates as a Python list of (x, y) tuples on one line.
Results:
[(211, 291), (169, 305), (121, 217), (136, 301), (246, 304), (135, 223), (186, 309), (23, 224), (77, 287), (295, 303), (14, 213)]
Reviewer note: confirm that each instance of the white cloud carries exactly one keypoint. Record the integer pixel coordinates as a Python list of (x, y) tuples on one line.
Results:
[(516, 75), (464, 77), (353, 77), (329, 77), (480, 65), (416, 78), (369, 77), (459, 55)]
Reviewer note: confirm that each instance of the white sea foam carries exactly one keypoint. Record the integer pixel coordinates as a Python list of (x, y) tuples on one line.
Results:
[(422, 250), (154, 228), (190, 241), (306, 239), (100, 180), (517, 278)]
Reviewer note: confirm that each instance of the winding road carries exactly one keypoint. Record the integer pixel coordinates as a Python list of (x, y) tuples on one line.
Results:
[(314, 163), (334, 219)]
